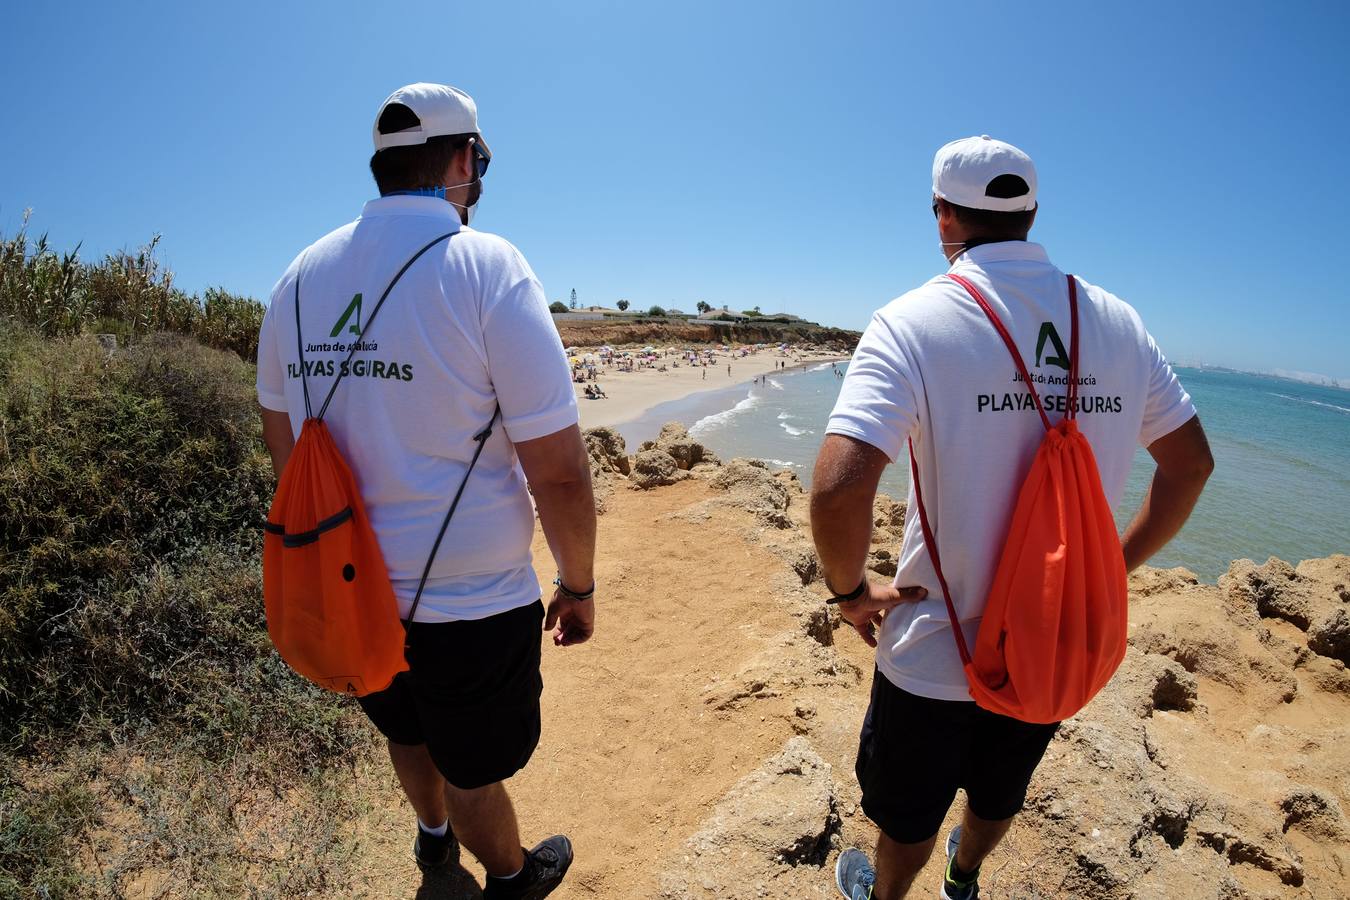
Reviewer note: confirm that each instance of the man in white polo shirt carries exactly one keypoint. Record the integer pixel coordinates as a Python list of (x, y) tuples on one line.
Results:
[(464, 343), (932, 369)]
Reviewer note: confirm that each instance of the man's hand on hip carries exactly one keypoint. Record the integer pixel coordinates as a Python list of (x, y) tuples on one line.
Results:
[(868, 612), (571, 621)]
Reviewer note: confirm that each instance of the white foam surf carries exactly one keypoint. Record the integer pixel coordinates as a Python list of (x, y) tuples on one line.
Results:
[(718, 420)]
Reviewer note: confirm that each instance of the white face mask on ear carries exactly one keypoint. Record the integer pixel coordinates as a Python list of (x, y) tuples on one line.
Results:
[(943, 245), (466, 212)]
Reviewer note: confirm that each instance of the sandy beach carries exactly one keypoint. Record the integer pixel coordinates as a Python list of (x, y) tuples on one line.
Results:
[(629, 394)]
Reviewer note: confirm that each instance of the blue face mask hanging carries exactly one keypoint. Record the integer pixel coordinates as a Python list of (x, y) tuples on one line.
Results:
[(439, 193)]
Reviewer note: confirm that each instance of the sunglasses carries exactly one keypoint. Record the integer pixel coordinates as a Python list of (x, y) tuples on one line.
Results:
[(935, 208), (482, 155)]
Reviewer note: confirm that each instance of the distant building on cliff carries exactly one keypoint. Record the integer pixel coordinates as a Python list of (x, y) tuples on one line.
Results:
[(722, 315)]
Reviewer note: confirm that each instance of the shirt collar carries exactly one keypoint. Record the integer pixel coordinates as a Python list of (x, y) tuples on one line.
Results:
[(1003, 251), (432, 207)]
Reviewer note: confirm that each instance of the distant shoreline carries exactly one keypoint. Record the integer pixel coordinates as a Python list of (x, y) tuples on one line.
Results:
[(693, 407), (633, 395), (1311, 379)]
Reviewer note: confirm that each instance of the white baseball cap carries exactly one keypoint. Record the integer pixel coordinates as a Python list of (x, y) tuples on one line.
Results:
[(964, 173), (440, 109)]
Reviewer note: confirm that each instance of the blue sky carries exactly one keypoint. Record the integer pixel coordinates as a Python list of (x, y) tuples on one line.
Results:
[(1194, 158)]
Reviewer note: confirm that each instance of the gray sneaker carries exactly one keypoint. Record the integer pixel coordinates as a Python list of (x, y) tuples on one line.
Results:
[(951, 888), (545, 867), (854, 875)]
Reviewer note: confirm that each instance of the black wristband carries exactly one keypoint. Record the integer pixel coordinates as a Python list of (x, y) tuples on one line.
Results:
[(851, 596), (571, 594)]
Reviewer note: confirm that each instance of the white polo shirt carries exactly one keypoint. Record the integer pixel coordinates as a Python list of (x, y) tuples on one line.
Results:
[(467, 327), (931, 366)]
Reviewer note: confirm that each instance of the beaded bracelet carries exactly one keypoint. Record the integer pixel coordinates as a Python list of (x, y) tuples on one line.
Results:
[(571, 594)]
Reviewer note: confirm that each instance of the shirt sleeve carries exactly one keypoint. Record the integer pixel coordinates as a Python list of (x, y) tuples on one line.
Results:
[(271, 377), (526, 363), (877, 402), (1168, 406)]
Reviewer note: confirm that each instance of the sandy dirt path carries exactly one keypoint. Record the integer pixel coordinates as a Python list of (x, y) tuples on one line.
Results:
[(631, 757)]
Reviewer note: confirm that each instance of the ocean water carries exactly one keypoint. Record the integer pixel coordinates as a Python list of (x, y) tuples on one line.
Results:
[(1281, 486)]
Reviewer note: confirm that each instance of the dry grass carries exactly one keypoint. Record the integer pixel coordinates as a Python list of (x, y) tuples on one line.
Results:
[(151, 741)]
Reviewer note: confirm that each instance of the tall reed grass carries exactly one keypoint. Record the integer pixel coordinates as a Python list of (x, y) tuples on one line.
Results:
[(129, 294)]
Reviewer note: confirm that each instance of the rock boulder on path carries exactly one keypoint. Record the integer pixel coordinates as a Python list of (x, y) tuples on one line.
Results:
[(687, 452), (653, 468), (1331, 636), (753, 487), (607, 450), (779, 818)]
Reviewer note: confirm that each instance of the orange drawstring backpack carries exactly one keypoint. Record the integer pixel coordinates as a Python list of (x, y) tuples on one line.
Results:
[(1054, 624), (331, 611)]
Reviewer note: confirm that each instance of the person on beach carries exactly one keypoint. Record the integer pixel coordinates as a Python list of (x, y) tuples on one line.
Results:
[(932, 368), (464, 338)]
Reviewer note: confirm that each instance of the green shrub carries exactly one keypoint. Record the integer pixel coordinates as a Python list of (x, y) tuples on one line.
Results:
[(130, 295), (141, 701), (132, 486)]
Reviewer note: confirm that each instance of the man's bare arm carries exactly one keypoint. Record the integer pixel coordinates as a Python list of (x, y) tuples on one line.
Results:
[(277, 435), (559, 472), (1184, 465), (843, 487)]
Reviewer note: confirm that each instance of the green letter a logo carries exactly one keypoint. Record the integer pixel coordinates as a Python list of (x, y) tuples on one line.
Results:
[(1060, 358), (354, 306)]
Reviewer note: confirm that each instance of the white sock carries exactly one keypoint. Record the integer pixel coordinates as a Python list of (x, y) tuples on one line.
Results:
[(438, 831), (509, 877)]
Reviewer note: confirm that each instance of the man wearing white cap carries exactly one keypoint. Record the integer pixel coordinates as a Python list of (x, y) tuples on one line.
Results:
[(932, 370), (463, 337)]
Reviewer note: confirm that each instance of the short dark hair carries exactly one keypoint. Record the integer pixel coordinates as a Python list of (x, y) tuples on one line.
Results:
[(992, 225), (415, 166)]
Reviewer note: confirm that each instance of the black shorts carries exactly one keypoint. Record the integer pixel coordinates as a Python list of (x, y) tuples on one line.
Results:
[(915, 752), (471, 694)]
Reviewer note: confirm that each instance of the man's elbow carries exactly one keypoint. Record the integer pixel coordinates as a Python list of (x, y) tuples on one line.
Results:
[(1204, 467), (562, 477), (1195, 469), (1200, 463)]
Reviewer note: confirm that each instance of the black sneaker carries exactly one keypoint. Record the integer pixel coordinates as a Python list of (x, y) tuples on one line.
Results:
[(951, 888), (545, 867), (432, 852)]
